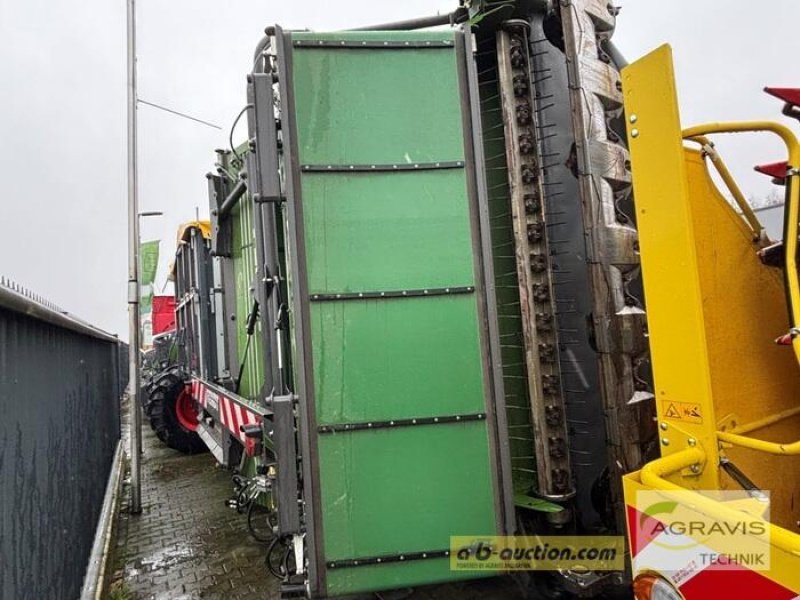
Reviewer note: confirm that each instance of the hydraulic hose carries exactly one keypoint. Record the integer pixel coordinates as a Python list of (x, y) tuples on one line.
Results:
[(460, 15), (251, 327), (281, 571), (261, 52), (257, 536)]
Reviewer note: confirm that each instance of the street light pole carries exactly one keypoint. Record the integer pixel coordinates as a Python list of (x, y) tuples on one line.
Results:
[(135, 421), (134, 290)]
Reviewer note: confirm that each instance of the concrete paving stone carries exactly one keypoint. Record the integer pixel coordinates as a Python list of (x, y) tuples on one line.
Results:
[(186, 540), (187, 576), (187, 544)]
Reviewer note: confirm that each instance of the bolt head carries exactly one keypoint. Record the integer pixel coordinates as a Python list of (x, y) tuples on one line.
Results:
[(695, 469), (665, 441), (634, 133), (633, 118), (664, 426), (692, 442)]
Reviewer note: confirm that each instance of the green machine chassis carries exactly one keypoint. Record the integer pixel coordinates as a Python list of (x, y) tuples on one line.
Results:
[(395, 354), (431, 286)]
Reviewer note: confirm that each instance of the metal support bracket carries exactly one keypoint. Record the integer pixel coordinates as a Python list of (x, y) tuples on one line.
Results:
[(342, 427), (449, 291), (390, 167), (387, 558)]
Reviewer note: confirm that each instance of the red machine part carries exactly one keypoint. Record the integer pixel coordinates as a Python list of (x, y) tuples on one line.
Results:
[(186, 410), (163, 314), (788, 95), (776, 170), (233, 415)]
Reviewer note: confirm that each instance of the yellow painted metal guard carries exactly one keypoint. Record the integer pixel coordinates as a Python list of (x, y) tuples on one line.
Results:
[(792, 209), (653, 476), (183, 236), (203, 226), (711, 309), (745, 308), (669, 262), (788, 449)]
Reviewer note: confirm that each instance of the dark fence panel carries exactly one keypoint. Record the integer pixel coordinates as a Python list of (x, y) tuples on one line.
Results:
[(124, 367), (59, 401)]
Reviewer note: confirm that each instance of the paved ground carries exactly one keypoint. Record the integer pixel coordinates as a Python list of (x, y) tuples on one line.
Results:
[(187, 544)]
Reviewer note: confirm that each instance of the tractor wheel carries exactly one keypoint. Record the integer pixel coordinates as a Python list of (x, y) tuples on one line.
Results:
[(173, 415)]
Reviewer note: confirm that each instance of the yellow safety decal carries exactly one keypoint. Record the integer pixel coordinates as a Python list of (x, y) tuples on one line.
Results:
[(683, 411)]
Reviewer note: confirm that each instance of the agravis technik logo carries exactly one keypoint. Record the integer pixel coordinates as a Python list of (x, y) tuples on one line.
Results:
[(674, 529)]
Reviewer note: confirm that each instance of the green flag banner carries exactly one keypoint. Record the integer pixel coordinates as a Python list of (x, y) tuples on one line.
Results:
[(149, 261), (148, 264)]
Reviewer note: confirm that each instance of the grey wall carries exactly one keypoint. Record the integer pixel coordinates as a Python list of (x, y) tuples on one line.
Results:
[(59, 401)]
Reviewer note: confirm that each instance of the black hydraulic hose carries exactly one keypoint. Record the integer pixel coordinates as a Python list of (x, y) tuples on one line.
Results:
[(252, 318), (241, 366), (251, 327), (739, 477), (286, 557), (460, 15), (276, 573), (233, 128), (242, 499), (256, 536)]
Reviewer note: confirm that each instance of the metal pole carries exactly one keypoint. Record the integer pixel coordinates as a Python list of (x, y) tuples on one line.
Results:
[(137, 430), (135, 423)]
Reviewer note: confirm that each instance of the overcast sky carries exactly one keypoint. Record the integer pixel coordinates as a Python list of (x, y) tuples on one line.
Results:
[(62, 112)]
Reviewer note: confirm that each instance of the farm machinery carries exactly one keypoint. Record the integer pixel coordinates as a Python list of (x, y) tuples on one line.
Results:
[(418, 308)]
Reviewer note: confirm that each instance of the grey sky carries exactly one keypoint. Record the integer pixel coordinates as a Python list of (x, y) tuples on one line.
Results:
[(62, 112)]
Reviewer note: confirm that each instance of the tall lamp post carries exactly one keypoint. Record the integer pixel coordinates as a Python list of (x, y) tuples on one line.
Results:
[(133, 273), (138, 431), (134, 329)]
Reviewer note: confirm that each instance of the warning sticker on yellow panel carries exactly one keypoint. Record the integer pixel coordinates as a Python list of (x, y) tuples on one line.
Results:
[(682, 411)]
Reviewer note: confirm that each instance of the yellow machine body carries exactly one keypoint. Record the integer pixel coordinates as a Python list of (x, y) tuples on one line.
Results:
[(725, 392)]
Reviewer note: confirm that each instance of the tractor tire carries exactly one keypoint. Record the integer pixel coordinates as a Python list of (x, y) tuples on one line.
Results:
[(170, 417)]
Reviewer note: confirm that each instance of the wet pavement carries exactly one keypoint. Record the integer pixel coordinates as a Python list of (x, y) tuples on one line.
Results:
[(188, 544)]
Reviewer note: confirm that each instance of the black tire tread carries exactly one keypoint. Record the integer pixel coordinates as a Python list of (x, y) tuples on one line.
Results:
[(160, 410)]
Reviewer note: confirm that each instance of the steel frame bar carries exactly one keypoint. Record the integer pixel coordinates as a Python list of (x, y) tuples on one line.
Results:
[(733, 187)]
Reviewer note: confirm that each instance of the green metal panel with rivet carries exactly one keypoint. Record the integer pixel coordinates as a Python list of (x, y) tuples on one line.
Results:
[(401, 394)]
